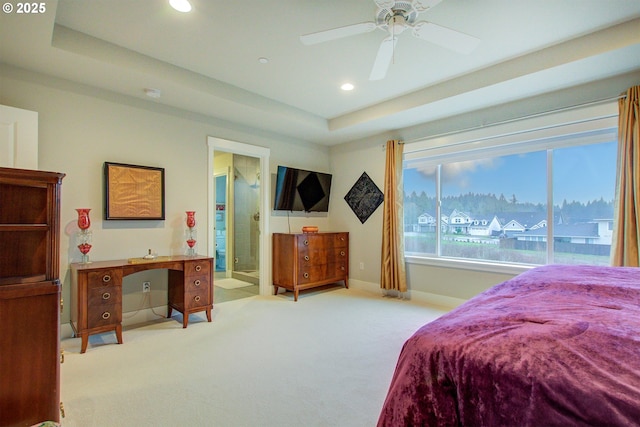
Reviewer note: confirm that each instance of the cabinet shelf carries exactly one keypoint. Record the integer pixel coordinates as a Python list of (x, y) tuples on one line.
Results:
[(29, 296), (24, 227)]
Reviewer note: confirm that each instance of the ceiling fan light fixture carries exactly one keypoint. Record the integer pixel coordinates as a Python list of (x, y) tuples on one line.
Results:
[(181, 5), (397, 24), (347, 87)]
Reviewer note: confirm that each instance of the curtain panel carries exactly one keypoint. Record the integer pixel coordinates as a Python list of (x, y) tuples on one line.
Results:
[(393, 274), (626, 234)]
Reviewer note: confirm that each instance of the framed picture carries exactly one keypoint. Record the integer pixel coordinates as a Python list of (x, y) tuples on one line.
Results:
[(133, 192)]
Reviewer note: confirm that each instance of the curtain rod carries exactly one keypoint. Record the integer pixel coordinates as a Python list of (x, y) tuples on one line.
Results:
[(530, 116)]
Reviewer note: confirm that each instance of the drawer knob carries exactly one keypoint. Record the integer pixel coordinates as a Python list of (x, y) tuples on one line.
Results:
[(106, 278), (106, 295), (197, 282), (342, 253), (196, 298), (306, 257), (342, 267), (106, 315), (306, 275), (306, 242), (198, 267)]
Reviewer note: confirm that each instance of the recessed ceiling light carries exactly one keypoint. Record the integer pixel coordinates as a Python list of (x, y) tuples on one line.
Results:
[(263, 60), (347, 86), (152, 92), (181, 5)]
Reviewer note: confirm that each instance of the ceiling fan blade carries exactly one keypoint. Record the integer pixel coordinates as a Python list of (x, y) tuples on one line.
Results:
[(445, 37), (422, 5), (385, 54), (338, 33), (385, 4)]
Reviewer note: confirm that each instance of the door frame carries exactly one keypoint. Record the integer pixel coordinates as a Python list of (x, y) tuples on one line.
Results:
[(220, 144), (226, 174)]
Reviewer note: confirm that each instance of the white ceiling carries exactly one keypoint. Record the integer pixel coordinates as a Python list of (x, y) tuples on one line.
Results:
[(206, 61)]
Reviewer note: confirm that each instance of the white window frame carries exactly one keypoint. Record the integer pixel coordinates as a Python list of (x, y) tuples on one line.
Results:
[(530, 134)]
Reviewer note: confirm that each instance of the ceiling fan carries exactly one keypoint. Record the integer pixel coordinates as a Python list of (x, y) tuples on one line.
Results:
[(395, 17)]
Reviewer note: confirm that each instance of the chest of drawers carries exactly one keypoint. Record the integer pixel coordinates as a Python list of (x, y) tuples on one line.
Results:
[(307, 260)]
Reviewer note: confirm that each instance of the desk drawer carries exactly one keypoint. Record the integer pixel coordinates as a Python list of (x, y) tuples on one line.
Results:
[(108, 314), (104, 277), (193, 283), (103, 296), (201, 267), (197, 297)]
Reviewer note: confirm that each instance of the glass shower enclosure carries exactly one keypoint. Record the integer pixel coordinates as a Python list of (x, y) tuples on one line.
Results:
[(237, 216)]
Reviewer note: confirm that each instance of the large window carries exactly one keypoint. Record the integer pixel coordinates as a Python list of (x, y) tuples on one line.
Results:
[(527, 198)]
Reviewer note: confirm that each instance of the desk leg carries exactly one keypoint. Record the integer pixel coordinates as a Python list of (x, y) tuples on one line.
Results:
[(85, 340), (209, 314), (119, 333), (169, 311), (185, 320)]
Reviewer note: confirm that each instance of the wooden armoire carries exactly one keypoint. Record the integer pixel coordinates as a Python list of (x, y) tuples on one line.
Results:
[(30, 301)]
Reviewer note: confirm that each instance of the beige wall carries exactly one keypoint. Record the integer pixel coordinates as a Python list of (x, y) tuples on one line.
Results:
[(352, 158), (80, 128)]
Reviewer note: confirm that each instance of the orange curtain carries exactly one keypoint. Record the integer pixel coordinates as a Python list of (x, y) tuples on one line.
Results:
[(626, 234), (393, 274)]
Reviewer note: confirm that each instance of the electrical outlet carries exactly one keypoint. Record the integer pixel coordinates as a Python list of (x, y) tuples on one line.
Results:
[(146, 286), (361, 265)]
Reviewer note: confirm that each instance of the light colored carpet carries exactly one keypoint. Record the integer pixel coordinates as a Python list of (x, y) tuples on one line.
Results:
[(325, 360), (230, 283)]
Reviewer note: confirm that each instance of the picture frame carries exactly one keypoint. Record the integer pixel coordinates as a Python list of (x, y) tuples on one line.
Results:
[(133, 192)]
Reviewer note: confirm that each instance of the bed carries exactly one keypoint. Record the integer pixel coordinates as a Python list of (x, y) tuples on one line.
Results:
[(557, 345)]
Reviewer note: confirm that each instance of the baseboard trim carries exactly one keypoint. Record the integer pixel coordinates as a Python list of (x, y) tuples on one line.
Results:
[(440, 301), (153, 314)]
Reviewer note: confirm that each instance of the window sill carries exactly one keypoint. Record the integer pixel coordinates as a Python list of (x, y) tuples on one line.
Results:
[(490, 267)]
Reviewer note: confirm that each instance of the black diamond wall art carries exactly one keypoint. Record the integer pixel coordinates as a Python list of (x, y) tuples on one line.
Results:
[(364, 197)]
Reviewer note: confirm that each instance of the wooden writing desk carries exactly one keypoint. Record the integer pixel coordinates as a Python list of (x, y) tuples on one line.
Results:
[(96, 291)]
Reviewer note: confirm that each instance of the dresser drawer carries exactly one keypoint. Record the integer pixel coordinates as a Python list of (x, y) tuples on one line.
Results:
[(341, 240), (106, 277), (315, 256), (104, 315), (311, 241), (104, 295), (322, 272)]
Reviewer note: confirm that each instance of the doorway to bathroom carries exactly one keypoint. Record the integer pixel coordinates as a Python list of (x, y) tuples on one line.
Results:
[(239, 200)]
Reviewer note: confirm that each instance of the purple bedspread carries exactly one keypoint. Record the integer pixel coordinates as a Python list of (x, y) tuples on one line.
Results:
[(555, 346)]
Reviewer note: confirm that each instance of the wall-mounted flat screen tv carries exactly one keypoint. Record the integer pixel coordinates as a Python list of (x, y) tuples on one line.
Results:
[(302, 190)]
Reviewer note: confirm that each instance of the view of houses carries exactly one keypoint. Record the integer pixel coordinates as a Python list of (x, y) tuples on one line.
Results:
[(523, 226), (493, 227)]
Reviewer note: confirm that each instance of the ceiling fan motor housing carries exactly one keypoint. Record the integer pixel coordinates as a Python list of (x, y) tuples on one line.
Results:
[(401, 14)]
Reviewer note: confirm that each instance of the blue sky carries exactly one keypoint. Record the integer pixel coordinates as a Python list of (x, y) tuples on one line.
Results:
[(581, 173)]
